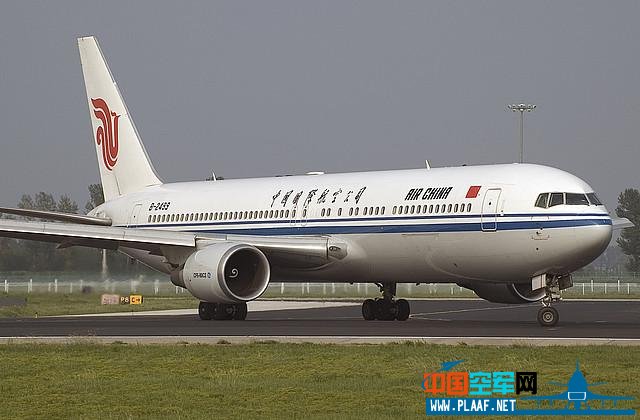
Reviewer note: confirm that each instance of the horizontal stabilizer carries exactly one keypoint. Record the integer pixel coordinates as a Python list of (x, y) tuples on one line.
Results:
[(621, 223), (58, 216)]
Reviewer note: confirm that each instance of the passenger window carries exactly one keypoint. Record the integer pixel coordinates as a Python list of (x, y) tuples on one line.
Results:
[(418, 209), (293, 213), (437, 208), (364, 211), (400, 210), (449, 208), (340, 211), (322, 213), (382, 210), (593, 199), (413, 209), (351, 211), (469, 208), (556, 199), (377, 210), (455, 208), (328, 212), (357, 210), (406, 209), (394, 210), (286, 214), (430, 208), (282, 214), (577, 199)]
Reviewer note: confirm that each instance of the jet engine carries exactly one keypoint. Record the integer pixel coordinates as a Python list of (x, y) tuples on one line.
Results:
[(505, 292), (227, 272)]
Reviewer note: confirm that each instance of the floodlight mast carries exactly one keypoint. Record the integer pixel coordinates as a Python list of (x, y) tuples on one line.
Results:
[(521, 108)]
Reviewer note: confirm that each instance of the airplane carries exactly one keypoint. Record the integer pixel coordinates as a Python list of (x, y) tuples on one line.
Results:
[(577, 393), (512, 233)]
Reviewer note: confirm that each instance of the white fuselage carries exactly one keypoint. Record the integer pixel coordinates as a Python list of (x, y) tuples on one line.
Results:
[(420, 225)]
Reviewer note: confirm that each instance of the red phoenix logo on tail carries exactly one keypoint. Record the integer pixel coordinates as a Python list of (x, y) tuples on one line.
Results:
[(107, 134)]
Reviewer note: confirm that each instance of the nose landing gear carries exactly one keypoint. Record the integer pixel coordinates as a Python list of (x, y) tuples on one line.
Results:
[(387, 308), (547, 315)]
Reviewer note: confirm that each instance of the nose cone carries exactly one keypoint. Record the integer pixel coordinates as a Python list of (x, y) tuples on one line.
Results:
[(590, 243)]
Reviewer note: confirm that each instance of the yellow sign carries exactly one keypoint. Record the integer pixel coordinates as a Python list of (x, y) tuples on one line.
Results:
[(135, 299), (124, 300)]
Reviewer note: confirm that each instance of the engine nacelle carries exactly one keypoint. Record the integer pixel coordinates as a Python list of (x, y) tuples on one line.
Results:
[(505, 292), (225, 273)]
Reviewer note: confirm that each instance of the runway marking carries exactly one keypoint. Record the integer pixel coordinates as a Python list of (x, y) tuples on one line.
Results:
[(453, 311), (481, 341)]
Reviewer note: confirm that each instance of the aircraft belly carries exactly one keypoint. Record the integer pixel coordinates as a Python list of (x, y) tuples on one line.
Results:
[(499, 256)]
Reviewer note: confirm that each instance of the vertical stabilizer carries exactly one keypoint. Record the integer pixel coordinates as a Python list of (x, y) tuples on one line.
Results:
[(124, 164)]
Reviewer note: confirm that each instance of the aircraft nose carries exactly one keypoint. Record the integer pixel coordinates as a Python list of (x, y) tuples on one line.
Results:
[(591, 241)]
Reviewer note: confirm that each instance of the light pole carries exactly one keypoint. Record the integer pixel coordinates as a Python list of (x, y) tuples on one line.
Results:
[(521, 108)]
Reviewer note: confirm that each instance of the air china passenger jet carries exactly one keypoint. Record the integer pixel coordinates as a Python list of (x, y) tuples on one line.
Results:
[(511, 233)]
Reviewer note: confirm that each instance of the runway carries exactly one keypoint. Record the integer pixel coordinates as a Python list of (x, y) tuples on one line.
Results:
[(448, 321)]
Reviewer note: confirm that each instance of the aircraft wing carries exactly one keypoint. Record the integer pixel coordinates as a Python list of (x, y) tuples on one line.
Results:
[(107, 237), (556, 397), (298, 250), (592, 396)]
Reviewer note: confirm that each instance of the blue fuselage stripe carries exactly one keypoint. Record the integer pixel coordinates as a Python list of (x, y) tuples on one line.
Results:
[(488, 223)]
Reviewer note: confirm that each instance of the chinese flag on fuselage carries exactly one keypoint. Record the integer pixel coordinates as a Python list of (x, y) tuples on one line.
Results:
[(473, 191)]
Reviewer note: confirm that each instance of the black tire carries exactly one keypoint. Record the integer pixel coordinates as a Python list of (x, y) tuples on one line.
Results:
[(369, 310), (386, 310), (403, 310), (224, 312), (206, 310), (548, 316), (241, 311)]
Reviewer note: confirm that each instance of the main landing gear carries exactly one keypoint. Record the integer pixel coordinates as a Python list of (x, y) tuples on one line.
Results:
[(222, 311), (547, 315), (387, 308)]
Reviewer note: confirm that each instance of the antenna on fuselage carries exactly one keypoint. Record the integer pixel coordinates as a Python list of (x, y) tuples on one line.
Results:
[(426, 164)]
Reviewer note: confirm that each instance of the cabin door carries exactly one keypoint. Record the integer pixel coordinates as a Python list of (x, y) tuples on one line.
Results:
[(489, 215), (135, 215)]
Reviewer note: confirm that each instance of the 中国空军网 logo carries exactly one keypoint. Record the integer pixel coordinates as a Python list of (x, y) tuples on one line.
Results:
[(499, 392)]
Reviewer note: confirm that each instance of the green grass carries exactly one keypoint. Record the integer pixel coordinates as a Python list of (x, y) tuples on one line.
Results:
[(69, 304), (270, 380)]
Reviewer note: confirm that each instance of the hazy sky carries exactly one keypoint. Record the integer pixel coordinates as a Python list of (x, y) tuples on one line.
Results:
[(259, 88)]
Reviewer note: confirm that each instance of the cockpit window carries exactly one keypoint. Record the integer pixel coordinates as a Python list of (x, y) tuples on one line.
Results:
[(556, 199), (577, 199), (593, 199), (542, 200)]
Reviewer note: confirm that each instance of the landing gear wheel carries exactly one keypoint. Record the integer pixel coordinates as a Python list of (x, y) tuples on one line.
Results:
[(369, 309), (240, 312), (548, 316), (224, 311), (206, 310), (385, 310), (402, 310)]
